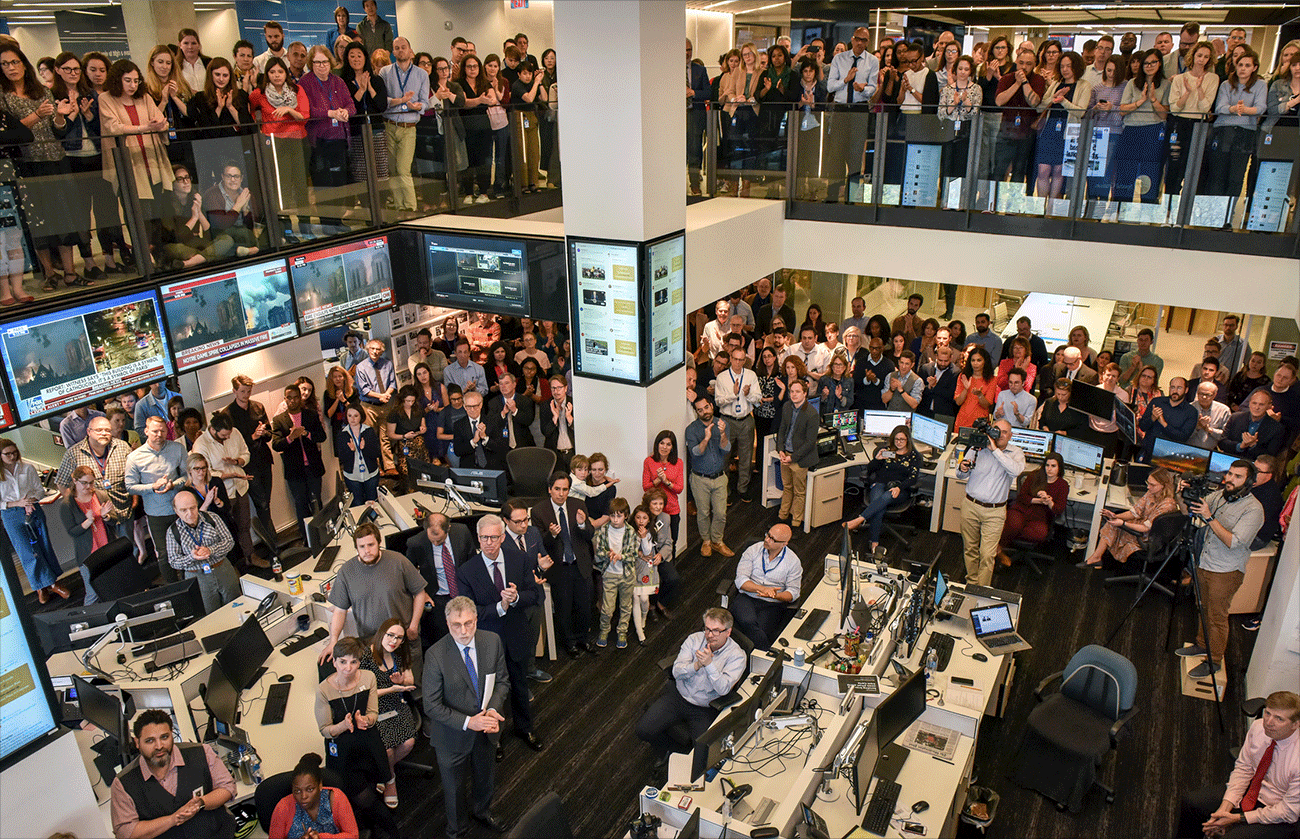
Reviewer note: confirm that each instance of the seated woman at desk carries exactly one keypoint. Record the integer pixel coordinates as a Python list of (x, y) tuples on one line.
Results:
[(1055, 414), (347, 713), (893, 473), (389, 659), (1124, 533), (1040, 499), (312, 811)]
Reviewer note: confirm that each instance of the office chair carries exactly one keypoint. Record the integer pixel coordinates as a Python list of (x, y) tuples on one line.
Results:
[(1070, 732), (1163, 541), (272, 789), (1027, 551), (114, 573), (679, 733), (530, 468), (893, 526), (546, 819)]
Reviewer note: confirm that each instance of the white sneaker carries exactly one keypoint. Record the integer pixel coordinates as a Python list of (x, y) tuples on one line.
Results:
[(469, 199), (482, 199)]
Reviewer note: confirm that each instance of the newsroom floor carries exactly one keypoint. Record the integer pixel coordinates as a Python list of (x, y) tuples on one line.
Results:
[(595, 762)]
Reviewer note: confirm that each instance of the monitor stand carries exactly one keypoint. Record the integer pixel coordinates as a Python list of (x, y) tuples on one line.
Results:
[(891, 761), (108, 756)]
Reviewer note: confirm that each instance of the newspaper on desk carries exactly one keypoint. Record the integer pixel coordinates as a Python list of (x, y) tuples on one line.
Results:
[(932, 739)]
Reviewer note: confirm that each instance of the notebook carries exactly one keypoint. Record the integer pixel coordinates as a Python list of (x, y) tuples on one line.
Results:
[(993, 629)]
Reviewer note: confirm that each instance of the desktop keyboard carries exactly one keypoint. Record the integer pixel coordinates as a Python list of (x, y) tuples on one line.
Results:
[(942, 644), (304, 641), (811, 624), (151, 647), (326, 561), (277, 698), (880, 809), (214, 642)]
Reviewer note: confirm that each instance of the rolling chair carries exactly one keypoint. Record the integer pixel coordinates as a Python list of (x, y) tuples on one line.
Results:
[(114, 573), (530, 468), (894, 512), (272, 789), (1028, 552), (1163, 542), (1070, 732), (678, 732), (546, 819)]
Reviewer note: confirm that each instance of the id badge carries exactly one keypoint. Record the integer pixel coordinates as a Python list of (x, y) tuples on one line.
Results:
[(108, 484), (737, 407), (361, 466), (526, 123), (207, 568), (334, 749), (334, 123)]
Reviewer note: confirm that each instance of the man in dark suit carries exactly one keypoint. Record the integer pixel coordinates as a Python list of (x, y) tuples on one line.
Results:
[(697, 95), (456, 671), (476, 442), (502, 586), (1071, 367), (437, 553), (796, 446), (508, 417), (562, 521), (557, 420), (525, 542), (939, 399), (296, 434), (1252, 432)]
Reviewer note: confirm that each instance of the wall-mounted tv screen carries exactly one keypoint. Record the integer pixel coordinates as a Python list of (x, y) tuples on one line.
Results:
[(218, 316), (606, 296), (479, 273), (342, 283), (666, 273), (59, 360)]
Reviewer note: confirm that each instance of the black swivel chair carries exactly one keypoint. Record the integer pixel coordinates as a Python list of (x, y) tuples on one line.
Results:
[(546, 819), (530, 469), (678, 732), (114, 573), (1029, 552), (893, 515), (273, 789), (1163, 541)]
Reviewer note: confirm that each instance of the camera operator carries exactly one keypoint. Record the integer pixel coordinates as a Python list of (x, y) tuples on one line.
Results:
[(990, 469), (1232, 517)]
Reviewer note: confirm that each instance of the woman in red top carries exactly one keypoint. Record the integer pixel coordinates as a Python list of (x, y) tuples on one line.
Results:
[(977, 388), (665, 470), (1040, 500), (282, 109), (312, 810), (1019, 358)]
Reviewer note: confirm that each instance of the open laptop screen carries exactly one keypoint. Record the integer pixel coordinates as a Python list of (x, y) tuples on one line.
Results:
[(991, 619)]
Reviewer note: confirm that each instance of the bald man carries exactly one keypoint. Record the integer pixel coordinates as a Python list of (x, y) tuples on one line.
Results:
[(990, 473), (768, 578)]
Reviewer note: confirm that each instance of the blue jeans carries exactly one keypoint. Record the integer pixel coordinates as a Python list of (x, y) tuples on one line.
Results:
[(32, 543), (363, 491), (501, 158), (874, 512)]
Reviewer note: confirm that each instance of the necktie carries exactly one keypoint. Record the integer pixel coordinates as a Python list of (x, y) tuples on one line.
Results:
[(562, 515), (449, 571), (849, 88), (496, 576), (480, 455), (1251, 798), (473, 674), (520, 540), (510, 425)]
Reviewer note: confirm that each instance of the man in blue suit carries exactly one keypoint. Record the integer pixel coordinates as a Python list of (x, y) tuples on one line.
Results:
[(525, 540), (502, 587), (697, 95), (462, 729)]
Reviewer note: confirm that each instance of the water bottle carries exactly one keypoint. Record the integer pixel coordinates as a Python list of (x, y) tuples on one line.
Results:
[(243, 771), (931, 664), (255, 766)]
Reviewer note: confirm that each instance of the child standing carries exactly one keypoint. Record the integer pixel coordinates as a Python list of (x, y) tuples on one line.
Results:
[(647, 570), (615, 548), (664, 551)]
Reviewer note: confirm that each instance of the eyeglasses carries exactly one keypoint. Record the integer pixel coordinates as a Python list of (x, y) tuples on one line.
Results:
[(85, 482), (775, 540), (9, 452), (487, 537), (183, 178), (396, 636), (320, 61), (524, 520), (709, 630), (13, 63), (72, 68)]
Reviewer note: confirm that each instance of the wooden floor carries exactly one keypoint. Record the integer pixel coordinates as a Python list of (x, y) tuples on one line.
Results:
[(594, 761)]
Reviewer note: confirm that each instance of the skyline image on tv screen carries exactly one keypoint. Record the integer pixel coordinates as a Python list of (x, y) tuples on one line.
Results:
[(342, 283), (59, 360), (217, 316)]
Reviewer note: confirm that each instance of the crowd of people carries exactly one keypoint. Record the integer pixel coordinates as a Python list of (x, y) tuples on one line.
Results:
[(1024, 97), (188, 123)]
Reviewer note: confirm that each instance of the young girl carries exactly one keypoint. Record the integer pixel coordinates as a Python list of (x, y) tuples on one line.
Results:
[(665, 551), (646, 582), (174, 407), (615, 549)]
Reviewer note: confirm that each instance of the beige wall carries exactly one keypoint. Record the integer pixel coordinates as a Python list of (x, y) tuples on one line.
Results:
[(485, 22)]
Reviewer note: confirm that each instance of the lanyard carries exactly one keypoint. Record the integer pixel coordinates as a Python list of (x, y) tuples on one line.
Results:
[(775, 565), (326, 91), (102, 462), (397, 74), (356, 441)]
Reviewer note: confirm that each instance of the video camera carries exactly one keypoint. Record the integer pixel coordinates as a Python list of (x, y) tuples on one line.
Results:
[(1195, 489), (983, 433)]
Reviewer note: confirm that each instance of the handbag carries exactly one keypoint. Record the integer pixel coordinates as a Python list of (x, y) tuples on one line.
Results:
[(497, 117)]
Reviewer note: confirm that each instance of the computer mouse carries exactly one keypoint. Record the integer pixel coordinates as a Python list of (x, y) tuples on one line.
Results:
[(287, 677), (306, 578), (753, 680), (920, 806), (980, 657)]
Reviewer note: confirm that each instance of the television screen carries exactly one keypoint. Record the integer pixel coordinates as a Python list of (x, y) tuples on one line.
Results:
[(342, 283), (1092, 400), (1179, 458), (480, 273), (62, 359), (606, 326), (548, 280), (218, 316), (666, 270)]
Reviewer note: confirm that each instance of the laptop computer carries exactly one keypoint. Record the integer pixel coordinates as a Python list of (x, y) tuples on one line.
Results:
[(828, 446), (949, 602), (993, 629)]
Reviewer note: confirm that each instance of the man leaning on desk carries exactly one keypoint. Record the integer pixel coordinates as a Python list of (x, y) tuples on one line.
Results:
[(154, 795), (990, 472)]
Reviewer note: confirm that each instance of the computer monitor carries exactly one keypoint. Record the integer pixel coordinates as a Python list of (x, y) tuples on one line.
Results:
[(222, 701), (492, 482), (691, 830), (184, 598), (711, 747), (828, 443), (53, 628), (399, 540), (769, 684), (1126, 420), (940, 588), (930, 432), (318, 528), (845, 422), (1079, 455), (864, 766), (107, 712), (1221, 461), (881, 423), (1035, 444), (243, 655), (900, 709), (423, 470), (1093, 400), (1179, 457)]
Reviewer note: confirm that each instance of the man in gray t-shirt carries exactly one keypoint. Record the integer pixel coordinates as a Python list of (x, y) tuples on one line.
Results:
[(376, 585)]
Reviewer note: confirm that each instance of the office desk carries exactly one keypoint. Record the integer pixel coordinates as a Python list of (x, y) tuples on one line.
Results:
[(1054, 315)]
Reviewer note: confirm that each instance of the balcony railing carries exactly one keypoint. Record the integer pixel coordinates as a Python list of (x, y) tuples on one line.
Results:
[(1185, 183), (77, 207)]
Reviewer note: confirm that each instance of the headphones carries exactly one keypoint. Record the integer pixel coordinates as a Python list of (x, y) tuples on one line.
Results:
[(1237, 495)]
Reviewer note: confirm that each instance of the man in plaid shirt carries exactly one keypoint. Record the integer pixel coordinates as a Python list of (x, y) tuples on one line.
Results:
[(197, 546)]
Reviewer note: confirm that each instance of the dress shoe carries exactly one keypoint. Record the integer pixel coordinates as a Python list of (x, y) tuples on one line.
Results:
[(723, 549), (540, 676), (501, 752), (60, 591), (488, 821), (43, 596), (1003, 559), (533, 741), (1204, 669), (587, 647), (1191, 651), (572, 651), (706, 549)]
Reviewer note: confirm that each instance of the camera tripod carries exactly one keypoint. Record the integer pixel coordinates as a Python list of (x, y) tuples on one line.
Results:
[(1183, 556)]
